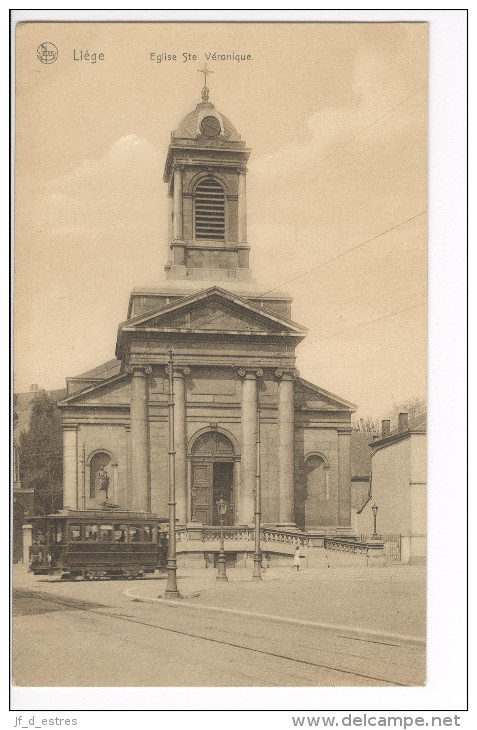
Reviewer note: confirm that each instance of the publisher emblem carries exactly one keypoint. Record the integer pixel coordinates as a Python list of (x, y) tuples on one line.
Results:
[(47, 53)]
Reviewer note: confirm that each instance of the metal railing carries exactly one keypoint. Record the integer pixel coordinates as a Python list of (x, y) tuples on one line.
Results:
[(392, 544)]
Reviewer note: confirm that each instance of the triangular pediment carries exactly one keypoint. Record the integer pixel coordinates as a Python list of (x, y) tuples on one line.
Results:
[(214, 310), (313, 397)]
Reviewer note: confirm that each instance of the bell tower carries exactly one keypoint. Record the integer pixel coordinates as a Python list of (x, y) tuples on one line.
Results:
[(206, 176)]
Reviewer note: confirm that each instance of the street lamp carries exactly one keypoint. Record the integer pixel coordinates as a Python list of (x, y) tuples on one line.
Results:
[(375, 512), (257, 555), (171, 590), (221, 566)]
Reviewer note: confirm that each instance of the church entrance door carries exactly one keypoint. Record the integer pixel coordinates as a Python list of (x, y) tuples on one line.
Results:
[(223, 488), (212, 478)]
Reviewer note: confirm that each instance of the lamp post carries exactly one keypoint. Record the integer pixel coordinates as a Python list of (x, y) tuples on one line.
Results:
[(257, 555), (221, 563), (171, 590), (375, 512)]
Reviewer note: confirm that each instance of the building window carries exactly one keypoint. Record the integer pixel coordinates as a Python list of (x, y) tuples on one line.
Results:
[(209, 210)]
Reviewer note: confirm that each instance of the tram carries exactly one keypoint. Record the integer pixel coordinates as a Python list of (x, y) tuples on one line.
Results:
[(98, 543)]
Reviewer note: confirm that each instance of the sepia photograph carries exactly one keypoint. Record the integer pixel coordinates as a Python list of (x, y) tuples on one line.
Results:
[(219, 445)]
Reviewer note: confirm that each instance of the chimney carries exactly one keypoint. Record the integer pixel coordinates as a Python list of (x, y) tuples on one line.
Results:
[(403, 423), (385, 428), (34, 388)]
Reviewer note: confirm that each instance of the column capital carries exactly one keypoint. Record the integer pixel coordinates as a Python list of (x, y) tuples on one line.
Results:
[(286, 374), (178, 370), (139, 369), (69, 427), (250, 373)]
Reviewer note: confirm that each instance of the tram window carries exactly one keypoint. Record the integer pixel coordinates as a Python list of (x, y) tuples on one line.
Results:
[(134, 533), (105, 533), (91, 532), (75, 532), (59, 533), (147, 531), (120, 533)]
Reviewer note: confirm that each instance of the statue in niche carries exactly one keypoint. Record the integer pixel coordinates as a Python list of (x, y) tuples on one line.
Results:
[(102, 481)]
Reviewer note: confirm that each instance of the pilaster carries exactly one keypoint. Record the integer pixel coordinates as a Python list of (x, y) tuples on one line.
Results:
[(178, 223), (242, 207), (344, 476), (70, 467)]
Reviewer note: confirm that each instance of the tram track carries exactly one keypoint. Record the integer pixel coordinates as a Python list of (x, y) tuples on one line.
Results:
[(78, 604)]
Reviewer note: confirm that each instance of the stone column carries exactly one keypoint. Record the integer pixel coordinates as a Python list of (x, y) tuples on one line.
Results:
[(139, 422), (286, 447), (242, 208), (178, 204), (180, 443), (70, 467), (249, 445), (128, 493), (344, 477)]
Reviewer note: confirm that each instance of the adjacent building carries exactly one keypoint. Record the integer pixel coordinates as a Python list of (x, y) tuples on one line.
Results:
[(399, 486)]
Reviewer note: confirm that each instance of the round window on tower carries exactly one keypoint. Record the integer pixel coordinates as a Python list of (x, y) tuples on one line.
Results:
[(210, 126)]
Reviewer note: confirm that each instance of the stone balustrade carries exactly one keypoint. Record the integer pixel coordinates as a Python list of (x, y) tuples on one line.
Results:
[(279, 541), (372, 551)]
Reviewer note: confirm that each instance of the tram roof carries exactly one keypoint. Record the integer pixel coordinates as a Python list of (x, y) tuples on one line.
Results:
[(109, 515)]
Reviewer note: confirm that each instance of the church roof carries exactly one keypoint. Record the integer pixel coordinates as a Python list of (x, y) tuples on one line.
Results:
[(336, 399), (105, 370), (189, 126)]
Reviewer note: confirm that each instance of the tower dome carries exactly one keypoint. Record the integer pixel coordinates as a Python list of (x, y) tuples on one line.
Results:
[(206, 123)]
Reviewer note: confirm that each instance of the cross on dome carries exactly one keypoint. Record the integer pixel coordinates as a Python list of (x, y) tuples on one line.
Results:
[(205, 90)]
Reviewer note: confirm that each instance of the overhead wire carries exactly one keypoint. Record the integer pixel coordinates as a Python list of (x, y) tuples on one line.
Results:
[(328, 261), (363, 243)]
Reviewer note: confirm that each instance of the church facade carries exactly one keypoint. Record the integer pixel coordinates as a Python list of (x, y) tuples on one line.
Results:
[(239, 403)]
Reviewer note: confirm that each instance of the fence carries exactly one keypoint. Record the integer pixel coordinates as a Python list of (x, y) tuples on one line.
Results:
[(392, 545)]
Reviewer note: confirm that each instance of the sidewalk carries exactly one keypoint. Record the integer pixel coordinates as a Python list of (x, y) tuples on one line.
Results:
[(390, 600)]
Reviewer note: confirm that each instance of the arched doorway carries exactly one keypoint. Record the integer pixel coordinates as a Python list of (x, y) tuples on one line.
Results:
[(212, 477)]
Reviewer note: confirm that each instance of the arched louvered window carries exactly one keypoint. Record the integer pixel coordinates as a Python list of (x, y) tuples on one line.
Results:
[(210, 210)]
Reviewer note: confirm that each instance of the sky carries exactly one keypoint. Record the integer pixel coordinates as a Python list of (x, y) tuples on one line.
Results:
[(336, 118)]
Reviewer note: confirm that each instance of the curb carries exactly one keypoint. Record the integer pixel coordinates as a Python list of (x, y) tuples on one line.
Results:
[(357, 632)]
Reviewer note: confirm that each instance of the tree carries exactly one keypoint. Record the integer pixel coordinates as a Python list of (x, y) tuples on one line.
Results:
[(14, 409), (414, 406), (41, 454), (368, 424)]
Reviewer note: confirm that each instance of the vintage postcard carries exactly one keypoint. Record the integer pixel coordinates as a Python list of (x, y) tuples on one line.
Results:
[(220, 355)]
